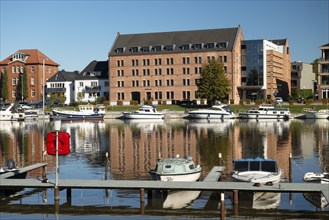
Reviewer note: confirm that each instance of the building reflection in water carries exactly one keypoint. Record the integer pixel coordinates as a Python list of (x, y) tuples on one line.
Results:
[(134, 146)]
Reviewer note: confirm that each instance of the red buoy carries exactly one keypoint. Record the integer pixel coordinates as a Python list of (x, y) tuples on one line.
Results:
[(63, 143)]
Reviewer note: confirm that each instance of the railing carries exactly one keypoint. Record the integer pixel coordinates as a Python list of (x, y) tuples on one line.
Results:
[(50, 90), (92, 89)]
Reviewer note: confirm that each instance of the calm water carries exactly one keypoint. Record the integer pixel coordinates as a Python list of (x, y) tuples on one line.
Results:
[(127, 150)]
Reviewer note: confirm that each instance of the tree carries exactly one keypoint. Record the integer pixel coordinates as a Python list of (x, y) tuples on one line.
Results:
[(213, 84), (4, 85)]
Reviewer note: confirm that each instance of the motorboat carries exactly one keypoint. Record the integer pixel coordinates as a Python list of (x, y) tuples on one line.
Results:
[(144, 112), (217, 111), (176, 169), (259, 200), (317, 177), (317, 199), (266, 112), (310, 113), (11, 113), (11, 167), (85, 112), (31, 115), (257, 170)]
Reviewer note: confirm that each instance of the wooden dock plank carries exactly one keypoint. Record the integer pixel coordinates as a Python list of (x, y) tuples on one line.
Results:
[(22, 170), (214, 174)]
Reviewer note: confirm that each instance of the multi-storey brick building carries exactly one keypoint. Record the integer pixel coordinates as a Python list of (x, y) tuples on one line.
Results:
[(38, 68), (302, 77), (165, 67)]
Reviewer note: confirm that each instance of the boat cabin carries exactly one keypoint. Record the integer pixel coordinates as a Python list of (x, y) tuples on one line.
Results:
[(175, 165), (258, 164)]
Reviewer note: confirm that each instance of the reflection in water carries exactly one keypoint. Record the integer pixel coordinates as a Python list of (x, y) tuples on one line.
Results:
[(133, 148)]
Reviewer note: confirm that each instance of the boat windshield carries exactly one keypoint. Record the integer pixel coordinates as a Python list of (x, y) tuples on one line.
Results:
[(267, 166)]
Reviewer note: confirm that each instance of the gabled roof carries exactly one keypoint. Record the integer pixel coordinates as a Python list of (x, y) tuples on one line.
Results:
[(124, 44), (34, 56), (63, 76), (94, 70), (325, 46)]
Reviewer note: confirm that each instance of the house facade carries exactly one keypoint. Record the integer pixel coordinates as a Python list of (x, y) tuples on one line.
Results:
[(164, 67), (92, 82), (323, 75), (302, 76), (61, 85), (37, 67)]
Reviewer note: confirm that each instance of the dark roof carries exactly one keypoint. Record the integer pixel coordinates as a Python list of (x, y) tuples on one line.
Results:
[(124, 44), (279, 41), (63, 76), (94, 70), (326, 45)]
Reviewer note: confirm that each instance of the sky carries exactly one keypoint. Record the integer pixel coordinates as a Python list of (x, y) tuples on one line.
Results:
[(74, 33)]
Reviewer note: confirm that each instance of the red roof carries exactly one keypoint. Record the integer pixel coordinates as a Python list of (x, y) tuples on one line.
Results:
[(34, 57)]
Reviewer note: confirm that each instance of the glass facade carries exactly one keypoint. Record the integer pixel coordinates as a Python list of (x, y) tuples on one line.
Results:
[(254, 63)]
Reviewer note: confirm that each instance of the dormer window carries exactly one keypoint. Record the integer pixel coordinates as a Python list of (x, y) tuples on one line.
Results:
[(145, 49), (222, 45), (185, 46), (134, 49), (170, 47), (210, 45), (157, 48), (197, 46), (120, 50), (19, 56)]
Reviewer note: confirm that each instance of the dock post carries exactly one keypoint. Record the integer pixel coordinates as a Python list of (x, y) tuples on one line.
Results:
[(222, 206), (290, 177), (235, 197), (220, 159), (142, 201), (69, 196)]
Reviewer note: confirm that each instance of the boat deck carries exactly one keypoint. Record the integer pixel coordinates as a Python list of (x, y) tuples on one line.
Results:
[(22, 170)]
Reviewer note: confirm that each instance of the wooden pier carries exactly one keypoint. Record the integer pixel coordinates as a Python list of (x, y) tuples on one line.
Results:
[(210, 183)]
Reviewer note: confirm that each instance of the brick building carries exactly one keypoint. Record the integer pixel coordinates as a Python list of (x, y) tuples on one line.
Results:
[(32, 62), (164, 67)]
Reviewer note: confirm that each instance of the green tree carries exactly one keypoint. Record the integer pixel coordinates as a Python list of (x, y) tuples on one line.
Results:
[(213, 84), (4, 85)]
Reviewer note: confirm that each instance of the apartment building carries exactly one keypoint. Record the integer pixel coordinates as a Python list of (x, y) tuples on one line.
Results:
[(164, 67), (38, 68), (323, 75), (302, 76), (265, 71)]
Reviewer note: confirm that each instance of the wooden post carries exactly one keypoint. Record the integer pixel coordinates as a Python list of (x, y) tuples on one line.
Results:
[(142, 201), (290, 176), (69, 196), (235, 197), (222, 206), (220, 159), (56, 194)]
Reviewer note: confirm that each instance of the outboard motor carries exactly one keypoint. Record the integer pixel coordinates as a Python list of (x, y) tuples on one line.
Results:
[(11, 164)]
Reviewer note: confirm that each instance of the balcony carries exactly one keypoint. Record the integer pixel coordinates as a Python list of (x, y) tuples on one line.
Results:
[(55, 90), (91, 89)]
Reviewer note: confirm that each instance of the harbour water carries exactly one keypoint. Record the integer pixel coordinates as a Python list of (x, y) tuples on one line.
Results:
[(127, 150)]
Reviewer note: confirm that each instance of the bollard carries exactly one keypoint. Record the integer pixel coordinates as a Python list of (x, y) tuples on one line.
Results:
[(69, 196), (222, 206), (235, 197), (142, 201)]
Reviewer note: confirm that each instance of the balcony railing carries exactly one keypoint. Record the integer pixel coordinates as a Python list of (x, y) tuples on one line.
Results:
[(91, 89), (54, 90)]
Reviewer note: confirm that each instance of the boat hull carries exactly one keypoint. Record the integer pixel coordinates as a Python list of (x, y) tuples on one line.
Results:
[(177, 177), (257, 177), (76, 115), (316, 114), (263, 116), (129, 115), (209, 115)]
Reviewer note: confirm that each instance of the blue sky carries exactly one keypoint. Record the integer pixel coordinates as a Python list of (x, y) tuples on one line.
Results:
[(73, 33)]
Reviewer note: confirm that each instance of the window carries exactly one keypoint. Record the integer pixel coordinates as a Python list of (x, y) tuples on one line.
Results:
[(145, 48), (157, 48), (210, 45), (32, 93), (225, 59), (134, 49), (13, 81), (13, 94), (13, 69), (197, 46), (32, 80), (81, 84), (222, 44), (185, 47), (119, 50), (32, 69), (169, 47)]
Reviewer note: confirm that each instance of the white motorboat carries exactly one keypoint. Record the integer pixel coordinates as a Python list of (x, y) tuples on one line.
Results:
[(313, 114), (180, 199), (85, 112), (176, 169), (258, 170), (316, 177), (11, 113), (266, 112), (217, 111), (144, 112)]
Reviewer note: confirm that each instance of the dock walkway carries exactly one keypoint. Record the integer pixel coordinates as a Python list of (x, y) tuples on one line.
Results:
[(22, 170)]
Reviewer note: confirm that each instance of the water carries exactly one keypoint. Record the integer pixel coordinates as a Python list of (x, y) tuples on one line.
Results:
[(133, 147)]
